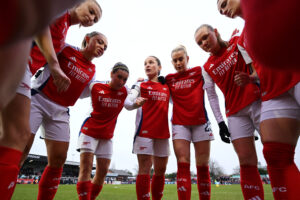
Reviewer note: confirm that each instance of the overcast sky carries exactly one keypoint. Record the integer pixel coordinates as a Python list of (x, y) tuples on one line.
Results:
[(136, 29)]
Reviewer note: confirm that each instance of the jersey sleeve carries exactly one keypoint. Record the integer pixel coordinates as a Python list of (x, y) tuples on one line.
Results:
[(208, 81), (245, 54), (135, 91), (214, 103), (87, 90)]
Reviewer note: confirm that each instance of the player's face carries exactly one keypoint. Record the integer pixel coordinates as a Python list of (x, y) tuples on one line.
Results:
[(207, 40), (230, 8), (88, 13), (151, 67), (96, 45), (180, 60), (118, 79)]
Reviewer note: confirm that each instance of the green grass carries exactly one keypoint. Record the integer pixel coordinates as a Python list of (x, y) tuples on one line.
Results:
[(127, 192)]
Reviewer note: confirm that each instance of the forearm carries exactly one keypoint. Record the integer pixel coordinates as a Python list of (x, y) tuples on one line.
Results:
[(214, 103), (129, 103)]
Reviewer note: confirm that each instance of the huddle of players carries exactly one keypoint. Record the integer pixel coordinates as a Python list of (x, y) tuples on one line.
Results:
[(274, 106)]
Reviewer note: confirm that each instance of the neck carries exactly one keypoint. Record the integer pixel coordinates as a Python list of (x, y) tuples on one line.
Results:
[(74, 18), (153, 79), (86, 55), (216, 50)]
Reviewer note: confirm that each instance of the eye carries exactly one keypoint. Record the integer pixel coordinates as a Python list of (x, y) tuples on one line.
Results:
[(174, 60), (180, 59), (223, 5), (200, 43)]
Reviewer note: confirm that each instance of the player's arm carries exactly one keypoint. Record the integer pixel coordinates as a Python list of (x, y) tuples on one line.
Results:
[(213, 99), (44, 42), (134, 100)]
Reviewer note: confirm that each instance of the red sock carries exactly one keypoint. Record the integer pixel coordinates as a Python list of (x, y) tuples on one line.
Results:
[(49, 183), (84, 190), (157, 187), (251, 183), (183, 181), (203, 182), (96, 189), (9, 169), (284, 174), (143, 187)]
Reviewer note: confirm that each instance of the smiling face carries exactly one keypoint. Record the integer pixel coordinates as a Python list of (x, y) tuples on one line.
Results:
[(88, 13), (230, 8), (152, 67), (180, 60), (207, 40), (95, 45)]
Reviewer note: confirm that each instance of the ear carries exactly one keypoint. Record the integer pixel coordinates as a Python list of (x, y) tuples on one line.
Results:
[(216, 32), (111, 74), (87, 39), (187, 58)]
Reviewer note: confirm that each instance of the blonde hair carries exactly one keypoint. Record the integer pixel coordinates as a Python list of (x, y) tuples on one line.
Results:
[(179, 48)]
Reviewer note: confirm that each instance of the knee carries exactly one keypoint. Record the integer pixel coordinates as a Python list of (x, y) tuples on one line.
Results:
[(57, 160), (183, 159), (247, 158), (160, 171)]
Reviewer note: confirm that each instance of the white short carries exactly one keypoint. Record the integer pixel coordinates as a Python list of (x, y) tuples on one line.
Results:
[(100, 147), (295, 92), (245, 122), (53, 117), (194, 133), (154, 147), (25, 85), (284, 106)]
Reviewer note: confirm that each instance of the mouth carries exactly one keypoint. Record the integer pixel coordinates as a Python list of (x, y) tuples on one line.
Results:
[(99, 52), (148, 70)]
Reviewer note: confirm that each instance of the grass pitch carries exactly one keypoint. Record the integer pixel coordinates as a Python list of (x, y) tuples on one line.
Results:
[(127, 192)]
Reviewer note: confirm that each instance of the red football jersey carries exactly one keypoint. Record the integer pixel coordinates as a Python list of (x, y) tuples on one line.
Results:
[(188, 97), (272, 31), (107, 104), (59, 31), (222, 67), (152, 117), (76, 67), (273, 82)]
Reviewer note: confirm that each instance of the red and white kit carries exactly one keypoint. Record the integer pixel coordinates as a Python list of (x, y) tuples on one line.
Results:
[(280, 89), (58, 31), (49, 107), (37, 60), (241, 103), (189, 119), (152, 129), (97, 131)]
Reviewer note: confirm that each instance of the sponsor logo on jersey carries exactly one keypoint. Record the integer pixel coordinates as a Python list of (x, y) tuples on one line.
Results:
[(145, 132), (90, 69), (211, 65), (101, 92), (120, 93), (149, 88), (164, 88)]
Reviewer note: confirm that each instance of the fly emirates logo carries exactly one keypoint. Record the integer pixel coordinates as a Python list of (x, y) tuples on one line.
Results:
[(158, 96), (226, 65), (183, 84), (109, 102), (77, 73)]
